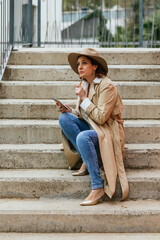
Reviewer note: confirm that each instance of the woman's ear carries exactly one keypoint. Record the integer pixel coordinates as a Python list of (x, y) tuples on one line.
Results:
[(95, 67)]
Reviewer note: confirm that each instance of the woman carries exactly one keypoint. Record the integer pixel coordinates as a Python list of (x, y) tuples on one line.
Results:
[(95, 127)]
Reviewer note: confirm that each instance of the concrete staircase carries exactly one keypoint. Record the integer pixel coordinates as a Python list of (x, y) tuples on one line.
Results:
[(38, 193)]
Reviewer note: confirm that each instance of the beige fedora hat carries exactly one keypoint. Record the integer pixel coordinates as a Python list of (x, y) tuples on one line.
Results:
[(88, 52)]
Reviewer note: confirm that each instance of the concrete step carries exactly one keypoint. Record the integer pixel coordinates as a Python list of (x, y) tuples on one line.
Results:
[(58, 183), (59, 56), (142, 155), (67, 216), (47, 109), (48, 131), (141, 109), (66, 89), (79, 236), (29, 131), (44, 156), (64, 73)]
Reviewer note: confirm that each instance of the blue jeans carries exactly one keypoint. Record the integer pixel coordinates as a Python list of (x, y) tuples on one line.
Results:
[(85, 142)]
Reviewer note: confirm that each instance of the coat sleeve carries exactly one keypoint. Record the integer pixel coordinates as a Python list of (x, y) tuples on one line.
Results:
[(106, 101)]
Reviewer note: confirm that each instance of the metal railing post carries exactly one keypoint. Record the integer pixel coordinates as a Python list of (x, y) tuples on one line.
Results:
[(39, 24), (30, 22), (6, 32), (140, 23), (11, 32)]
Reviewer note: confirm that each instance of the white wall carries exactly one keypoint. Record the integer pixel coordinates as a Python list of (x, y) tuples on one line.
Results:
[(113, 23), (17, 20), (51, 19)]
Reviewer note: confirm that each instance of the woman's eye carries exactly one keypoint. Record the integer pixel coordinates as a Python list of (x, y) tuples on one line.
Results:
[(78, 64)]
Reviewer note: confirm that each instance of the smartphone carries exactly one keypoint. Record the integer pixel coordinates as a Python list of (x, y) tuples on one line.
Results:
[(60, 103)]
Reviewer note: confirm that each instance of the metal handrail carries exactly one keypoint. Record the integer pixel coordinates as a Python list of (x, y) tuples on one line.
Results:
[(5, 45)]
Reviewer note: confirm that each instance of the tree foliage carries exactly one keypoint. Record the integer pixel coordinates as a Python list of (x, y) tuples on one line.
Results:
[(75, 5)]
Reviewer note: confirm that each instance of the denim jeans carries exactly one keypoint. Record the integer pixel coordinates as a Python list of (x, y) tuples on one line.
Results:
[(85, 142)]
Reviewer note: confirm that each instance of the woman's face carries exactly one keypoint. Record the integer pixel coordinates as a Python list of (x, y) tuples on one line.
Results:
[(85, 68)]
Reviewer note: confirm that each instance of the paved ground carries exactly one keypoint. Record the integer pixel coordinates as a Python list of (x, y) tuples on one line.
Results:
[(77, 236)]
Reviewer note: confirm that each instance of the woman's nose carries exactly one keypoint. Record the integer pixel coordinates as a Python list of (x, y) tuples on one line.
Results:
[(80, 66)]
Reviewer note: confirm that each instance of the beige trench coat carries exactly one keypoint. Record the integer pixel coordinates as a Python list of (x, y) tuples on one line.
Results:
[(104, 115)]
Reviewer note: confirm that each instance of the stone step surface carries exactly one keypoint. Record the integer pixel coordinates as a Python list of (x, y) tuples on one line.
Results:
[(47, 109), (142, 155), (120, 56), (44, 156), (66, 89), (66, 216), (79, 236), (18, 131), (64, 73), (58, 183)]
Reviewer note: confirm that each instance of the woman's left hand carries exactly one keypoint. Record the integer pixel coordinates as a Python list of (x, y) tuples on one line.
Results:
[(80, 92), (62, 109)]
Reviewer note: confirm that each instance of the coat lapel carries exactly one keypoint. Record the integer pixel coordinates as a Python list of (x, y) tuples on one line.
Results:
[(91, 92), (92, 89)]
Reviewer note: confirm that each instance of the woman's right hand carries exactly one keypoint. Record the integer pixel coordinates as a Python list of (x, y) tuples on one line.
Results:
[(80, 92), (62, 109)]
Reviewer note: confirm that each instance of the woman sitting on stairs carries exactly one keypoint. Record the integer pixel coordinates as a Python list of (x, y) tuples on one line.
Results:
[(95, 127)]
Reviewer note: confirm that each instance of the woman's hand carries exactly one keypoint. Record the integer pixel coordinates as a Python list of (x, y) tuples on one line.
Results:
[(80, 92), (62, 109)]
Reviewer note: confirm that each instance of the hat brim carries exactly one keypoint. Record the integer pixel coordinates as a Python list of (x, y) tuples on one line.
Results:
[(72, 59)]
